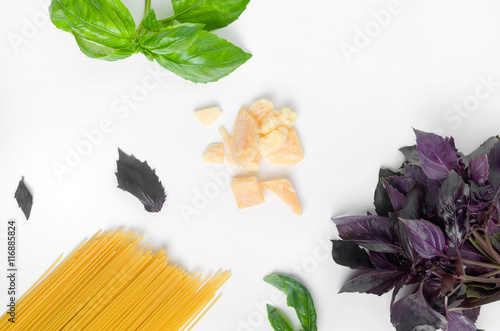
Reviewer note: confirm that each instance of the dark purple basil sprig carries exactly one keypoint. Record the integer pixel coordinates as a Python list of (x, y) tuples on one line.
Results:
[(437, 227)]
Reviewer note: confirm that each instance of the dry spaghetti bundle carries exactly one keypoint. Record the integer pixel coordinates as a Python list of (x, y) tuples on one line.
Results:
[(109, 283)]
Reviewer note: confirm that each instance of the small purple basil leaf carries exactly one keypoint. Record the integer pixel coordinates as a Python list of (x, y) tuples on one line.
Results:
[(405, 242), (374, 281), (494, 165), (447, 283), (24, 198), (457, 321), (381, 199), (452, 200), (473, 302), (401, 183), (413, 204), (413, 311), (397, 198), (388, 261), (432, 294), (415, 173), (473, 313), (484, 149), (350, 255), (479, 169), (371, 232), (426, 238), (140, 180), (437, 156), (480, 291), (411, 155)]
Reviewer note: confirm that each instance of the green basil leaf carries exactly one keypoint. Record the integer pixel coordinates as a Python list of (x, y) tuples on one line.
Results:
[(214, 14), (171, 39), (149, 23), (105, 22), (97, 51), (208, 59), (278, 321), (298, 297)]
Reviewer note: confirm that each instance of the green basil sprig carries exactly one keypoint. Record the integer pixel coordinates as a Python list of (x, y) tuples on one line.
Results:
[(298, 297), (105, 29)]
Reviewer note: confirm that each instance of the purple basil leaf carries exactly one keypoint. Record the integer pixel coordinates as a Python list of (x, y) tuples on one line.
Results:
[(478, 295), (397, 198), (387, 261), (411, 155), (452, 201), (481, 290), (373, 281), (426, 238), (24, 198), (401, 183), (494, 165), (457, 321), (412, 206), (381, 199), (141, 181), (415, 173), (437, 156), (473, 313), (371, 232), (479, 169), (350, 255), (405, 242), (484, 149), (495, 242), (432, 294), (414, 311)]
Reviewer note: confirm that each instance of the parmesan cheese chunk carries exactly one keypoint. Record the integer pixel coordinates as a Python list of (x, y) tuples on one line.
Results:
[(275, 119), (273, 141), (285, 191), (208, 116), (214, 153), (226, 138), (290, 153), (245, 139), (247, 192), (260, 108)]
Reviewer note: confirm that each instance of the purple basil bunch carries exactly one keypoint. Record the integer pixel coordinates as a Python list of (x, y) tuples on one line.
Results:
[(436, 227)]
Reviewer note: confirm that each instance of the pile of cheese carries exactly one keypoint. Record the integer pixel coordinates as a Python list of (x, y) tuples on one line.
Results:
[(260, 131)]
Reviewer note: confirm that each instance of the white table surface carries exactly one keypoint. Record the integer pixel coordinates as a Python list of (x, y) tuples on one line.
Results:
[(354, 112)]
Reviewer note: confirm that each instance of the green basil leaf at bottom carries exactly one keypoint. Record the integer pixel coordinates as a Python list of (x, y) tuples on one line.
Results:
[(208, 59), (278, 321), (298, 297)]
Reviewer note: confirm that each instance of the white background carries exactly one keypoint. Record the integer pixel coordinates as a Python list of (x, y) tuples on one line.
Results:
[(352, 118)]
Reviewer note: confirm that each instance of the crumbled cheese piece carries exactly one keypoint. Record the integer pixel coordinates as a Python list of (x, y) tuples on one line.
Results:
[(247, 192), (245, 139), (226, 138), (275, 119), (253, 165), (285, 191), (214, 153), (290, 153), (208, 116), (273, 140), (260, 108)]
